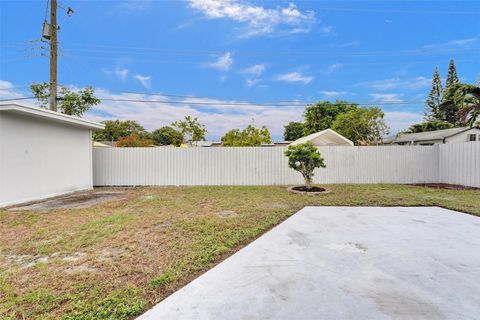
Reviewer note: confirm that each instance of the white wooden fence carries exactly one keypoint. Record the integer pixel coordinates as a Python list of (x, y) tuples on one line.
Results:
[(459, 163), (449, 163)]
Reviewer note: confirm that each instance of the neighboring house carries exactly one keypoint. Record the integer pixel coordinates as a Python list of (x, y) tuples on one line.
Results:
[(326, 137), (454, 135), (43, 153)]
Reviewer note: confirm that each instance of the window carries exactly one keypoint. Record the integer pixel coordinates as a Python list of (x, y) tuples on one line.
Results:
[(472, 137)]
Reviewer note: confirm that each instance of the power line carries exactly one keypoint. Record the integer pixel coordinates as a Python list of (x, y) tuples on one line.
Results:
[(177, 52), (14, 99), (403, 11), (299, 104), (220, 103)]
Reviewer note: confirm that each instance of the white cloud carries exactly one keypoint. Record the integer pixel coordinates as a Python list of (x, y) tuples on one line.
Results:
[(217, 115), (251, 82), (121, 73), (387, 97), (453, 45), (257, 20), (327, 29), (256, 69), (145, 81), (333, 93), (333, 67), (400, 120), (294, 77), (397, 83), (223, 63)]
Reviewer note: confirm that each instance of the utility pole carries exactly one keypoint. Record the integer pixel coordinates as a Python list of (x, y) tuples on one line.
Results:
[(53, 55)]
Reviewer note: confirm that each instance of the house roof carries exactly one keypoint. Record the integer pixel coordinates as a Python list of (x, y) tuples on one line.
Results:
[(325, 137), (50, 115), (430, 135)]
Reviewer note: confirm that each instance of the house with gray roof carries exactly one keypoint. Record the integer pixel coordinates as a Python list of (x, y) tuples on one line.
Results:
[(454, 135)]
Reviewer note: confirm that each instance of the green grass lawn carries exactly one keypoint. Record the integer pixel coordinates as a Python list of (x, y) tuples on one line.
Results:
[(116, 260)]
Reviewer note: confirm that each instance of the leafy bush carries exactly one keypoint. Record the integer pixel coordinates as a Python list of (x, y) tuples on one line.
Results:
[(304, 158), (116, 129), (134, 141), (293, 131), (249, 137), (167, 136)]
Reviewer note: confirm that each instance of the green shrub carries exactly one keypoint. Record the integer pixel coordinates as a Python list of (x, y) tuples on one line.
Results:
[(304, 158)]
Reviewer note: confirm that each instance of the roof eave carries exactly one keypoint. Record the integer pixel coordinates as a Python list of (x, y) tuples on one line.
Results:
[(51, 115)]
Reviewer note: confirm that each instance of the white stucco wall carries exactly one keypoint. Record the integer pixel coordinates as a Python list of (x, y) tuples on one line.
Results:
[(463, 137), (40, 158)]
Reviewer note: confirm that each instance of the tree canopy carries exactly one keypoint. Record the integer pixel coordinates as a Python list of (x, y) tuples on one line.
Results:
[(321, 115), (364, 126), (304, 158), (432, 104), (464, 99), (429, 126), (293, 131), (452, 77), (191, 129), (115, 129), (73, 103), (167, 136), (133, 141), (249, 137)]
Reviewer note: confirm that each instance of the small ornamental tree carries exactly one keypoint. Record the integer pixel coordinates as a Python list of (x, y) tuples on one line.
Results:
[(304, 158)]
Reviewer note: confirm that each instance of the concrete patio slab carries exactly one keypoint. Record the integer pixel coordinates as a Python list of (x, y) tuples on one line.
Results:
[(344, 263)]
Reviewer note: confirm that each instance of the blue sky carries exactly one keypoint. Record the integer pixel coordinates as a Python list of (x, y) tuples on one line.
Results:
[(259, 52)]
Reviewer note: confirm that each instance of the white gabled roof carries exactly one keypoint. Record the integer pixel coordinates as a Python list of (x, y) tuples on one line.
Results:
[(50, 115), (326, 137)]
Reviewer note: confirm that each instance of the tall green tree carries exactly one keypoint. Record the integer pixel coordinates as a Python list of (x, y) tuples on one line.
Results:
[(191, 129), (293, 131), (432, 104), (116, 129), (452, 77), (167, 136), (321, 115), (449, 108), (73, 103), (249, 137), (429, 126), (465, 98), (364, 126)]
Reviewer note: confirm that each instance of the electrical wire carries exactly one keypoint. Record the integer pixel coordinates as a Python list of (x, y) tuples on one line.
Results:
[(14, 99), (220, 103)]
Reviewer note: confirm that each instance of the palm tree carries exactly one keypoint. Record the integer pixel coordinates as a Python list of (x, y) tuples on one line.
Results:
[(465, 99)]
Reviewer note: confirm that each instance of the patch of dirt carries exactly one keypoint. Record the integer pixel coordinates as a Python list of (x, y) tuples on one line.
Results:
[(25, 260), (109, 254), (444, 186), (80, 200), (74, 257), (305, 190), (227, 214), (29, 260), (81, 268)]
